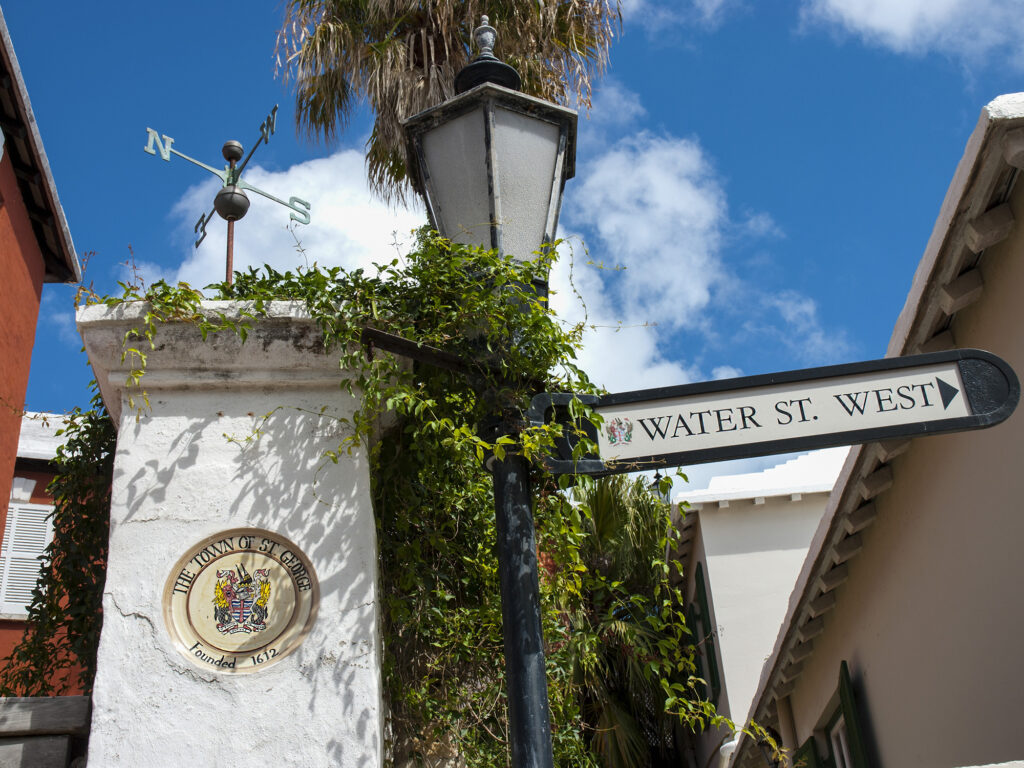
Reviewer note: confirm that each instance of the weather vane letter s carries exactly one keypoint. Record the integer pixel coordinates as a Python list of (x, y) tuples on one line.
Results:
[(231, 201)]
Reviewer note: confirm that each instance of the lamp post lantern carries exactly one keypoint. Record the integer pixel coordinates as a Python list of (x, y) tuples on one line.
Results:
[(491, 164)]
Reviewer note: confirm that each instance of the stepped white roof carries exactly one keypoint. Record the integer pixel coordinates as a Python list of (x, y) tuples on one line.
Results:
[(813, 472)]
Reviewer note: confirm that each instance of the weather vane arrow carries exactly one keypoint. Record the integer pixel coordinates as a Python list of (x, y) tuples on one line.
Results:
[(231, 202)]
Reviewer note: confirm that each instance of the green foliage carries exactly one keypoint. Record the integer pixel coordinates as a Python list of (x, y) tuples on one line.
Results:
[(62, 632), (633, 659), (619, 656)]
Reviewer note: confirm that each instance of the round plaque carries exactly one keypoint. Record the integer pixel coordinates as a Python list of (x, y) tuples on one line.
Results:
[(240, 600)]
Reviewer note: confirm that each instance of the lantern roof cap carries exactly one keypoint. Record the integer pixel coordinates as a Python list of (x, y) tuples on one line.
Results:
[(499, 96)]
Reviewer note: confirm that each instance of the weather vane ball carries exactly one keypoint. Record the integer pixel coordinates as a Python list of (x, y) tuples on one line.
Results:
[(231, 202)]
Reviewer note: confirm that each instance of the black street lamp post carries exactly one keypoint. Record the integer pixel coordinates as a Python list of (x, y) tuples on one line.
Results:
[(491, 164)]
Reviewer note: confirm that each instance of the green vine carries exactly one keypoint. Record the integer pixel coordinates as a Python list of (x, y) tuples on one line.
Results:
[(58, 651), (619, 654)]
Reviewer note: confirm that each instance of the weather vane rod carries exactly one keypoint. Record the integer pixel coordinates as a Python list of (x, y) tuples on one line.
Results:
[(231, 202)]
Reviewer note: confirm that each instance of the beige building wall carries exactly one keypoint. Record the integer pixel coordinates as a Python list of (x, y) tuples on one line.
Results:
[(931, 618), (753, 555), (751, 537)]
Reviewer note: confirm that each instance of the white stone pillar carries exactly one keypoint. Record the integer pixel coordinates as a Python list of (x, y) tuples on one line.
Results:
[(240, 608)]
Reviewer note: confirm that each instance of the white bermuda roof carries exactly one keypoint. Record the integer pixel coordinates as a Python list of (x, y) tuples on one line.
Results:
[(38, 438), (813, 472)]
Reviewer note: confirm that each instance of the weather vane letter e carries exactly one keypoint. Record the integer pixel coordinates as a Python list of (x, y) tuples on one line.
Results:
[(231, 202)]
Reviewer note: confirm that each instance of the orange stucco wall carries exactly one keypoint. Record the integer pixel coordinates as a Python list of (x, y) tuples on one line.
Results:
[(39, 494), (21, 283), (11, 631)]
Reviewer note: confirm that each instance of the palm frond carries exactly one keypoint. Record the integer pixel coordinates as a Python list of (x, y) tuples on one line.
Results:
[(401, 57), (617, 737)]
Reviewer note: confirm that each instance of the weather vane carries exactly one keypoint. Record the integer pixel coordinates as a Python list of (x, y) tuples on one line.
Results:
[(231, 201)]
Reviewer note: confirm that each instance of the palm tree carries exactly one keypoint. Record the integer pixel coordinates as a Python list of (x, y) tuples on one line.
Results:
[(401, 57), (630, 624)]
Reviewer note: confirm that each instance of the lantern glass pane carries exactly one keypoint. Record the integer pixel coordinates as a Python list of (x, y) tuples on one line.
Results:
[(526, 149), (456, 162)]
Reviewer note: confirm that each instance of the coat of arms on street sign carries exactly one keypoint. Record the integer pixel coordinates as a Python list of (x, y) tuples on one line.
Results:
[(240, 600), (619, 431)]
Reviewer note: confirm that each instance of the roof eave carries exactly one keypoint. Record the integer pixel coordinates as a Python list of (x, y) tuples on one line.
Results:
[(48, 223), (982, 181)]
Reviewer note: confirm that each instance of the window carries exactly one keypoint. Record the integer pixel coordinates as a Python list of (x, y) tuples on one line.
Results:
[(843, 734), (29, 529), (698, 651), (840, 736), (837, 740)]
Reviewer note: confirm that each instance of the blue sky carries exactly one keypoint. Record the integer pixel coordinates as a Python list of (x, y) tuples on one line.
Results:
[(767, 173)]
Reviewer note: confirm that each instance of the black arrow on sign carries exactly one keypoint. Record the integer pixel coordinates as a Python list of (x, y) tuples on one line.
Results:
[(947, 391)]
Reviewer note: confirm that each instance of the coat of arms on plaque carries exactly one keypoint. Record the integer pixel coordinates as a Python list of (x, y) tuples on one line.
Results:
[(619, 431), (240, 600)]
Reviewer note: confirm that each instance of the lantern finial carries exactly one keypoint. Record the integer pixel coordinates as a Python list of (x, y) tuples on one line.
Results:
[(485, 36), (486, 67)]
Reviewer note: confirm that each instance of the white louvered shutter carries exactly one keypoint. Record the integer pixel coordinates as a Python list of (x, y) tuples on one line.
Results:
[(28, 531)]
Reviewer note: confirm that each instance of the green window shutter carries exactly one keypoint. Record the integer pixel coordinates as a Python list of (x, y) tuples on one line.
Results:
[(708, 636), (806, 756), (854, 732), (693, 622)]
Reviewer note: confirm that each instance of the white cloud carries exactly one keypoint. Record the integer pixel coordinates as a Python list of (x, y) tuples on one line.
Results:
[(614, 105), (800, 329), (141, 274), (616, 355), (656, 215), (658, 209), (348, 226), (725, 372), (658, 15), (711, 11), (967, 28), (647, 12), (761, 225)]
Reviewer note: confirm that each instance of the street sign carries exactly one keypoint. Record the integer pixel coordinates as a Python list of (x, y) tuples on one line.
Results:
[(788, 411)]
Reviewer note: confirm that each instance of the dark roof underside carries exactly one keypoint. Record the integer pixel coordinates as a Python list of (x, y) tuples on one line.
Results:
[(32, 170)]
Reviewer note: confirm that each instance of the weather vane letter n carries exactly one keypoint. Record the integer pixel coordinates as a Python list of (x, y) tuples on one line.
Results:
[(165, 148)]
